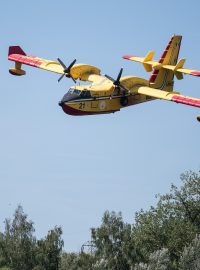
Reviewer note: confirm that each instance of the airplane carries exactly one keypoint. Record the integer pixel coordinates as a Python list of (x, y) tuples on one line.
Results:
[(105, 94)]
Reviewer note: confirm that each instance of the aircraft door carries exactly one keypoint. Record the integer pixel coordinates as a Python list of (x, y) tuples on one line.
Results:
[(95, 102)]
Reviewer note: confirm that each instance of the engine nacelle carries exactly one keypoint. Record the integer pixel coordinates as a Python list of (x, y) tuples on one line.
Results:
[(17, 72)]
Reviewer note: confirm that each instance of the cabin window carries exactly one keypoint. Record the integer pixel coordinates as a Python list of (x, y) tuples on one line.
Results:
[(74, 91), (77, 92), (85, 94)]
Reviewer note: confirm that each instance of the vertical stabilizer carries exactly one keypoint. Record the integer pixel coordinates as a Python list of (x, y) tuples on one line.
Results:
[(164, 79)]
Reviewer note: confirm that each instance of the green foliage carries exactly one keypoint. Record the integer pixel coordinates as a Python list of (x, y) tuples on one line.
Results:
[(115, 248), (163, 238), (76, 261), (69, 261), (38, 268), (18, 242), (190, 258), (173, 223), (158, 260), (185, 201), (19, 248), (48, 250)]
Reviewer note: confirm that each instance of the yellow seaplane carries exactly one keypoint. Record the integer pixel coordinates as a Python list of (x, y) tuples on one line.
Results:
[(105, 94)]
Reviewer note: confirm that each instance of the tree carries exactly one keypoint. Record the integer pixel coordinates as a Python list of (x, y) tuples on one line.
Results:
[(17, 243), (173, 223), (158, 260), (190, 258), (19, 248), (114, 244), (77, 261), (69, 261), (2, 251), (48, 250), (186, 200)]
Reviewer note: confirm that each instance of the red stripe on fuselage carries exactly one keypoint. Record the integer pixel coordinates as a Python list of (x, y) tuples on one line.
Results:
[(155, 72)]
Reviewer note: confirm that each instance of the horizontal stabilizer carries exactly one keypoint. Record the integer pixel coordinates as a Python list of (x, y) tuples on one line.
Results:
[(148, 64), (179, 75), (180, 64), (147, 67), (149, 56)]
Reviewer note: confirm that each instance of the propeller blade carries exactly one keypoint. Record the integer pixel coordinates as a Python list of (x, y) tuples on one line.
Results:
[(73, 79), (110, 78), (62, 64), (117, 82), (66, 70), (118, 77), (61, 77), (71, 65)]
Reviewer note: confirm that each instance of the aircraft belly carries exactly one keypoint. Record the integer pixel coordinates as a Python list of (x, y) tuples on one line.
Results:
[(85, 107)]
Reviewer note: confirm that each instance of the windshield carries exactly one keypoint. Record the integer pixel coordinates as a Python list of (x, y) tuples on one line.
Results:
[(74, 94), (79, 93), (74, 91), (85, 94)]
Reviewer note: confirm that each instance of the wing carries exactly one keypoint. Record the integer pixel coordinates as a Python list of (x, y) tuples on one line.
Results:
[(83, 72), (150, 64), (170, 96)]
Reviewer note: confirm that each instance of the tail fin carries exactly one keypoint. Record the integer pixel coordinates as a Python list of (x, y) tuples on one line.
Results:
[(163, 79), (15, 50)]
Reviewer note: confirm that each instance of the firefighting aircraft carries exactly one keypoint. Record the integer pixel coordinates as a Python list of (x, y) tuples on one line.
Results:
[(105, 94)]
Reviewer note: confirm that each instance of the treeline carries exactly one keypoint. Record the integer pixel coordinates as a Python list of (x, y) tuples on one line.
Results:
[(166, 237), (20, 250)]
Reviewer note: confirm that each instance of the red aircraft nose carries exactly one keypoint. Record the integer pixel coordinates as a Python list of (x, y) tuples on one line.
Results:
[(69, 110)]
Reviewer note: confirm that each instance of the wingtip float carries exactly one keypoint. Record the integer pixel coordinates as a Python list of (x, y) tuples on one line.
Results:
[(105, 94)]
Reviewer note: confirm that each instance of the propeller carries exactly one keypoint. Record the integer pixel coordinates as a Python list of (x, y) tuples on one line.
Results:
[(117, 81), (66, 70)]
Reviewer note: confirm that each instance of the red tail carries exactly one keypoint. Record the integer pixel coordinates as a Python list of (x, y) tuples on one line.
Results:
[(15, 50)]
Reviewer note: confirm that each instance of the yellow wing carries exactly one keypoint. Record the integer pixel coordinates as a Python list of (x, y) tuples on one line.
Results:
[(170, 96), (83, 72)]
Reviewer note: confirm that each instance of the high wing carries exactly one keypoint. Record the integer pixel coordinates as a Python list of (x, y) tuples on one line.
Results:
[(150, 64), (170, 96), (83, 72)]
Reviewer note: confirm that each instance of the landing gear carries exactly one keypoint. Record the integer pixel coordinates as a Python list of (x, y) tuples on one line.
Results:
[(124, 101)]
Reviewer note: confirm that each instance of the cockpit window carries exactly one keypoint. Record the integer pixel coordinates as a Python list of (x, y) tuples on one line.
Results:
[(77, 94), (74, 91), (85, 94)]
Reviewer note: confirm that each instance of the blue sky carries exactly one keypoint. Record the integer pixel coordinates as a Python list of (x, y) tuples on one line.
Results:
[(68, 170)]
